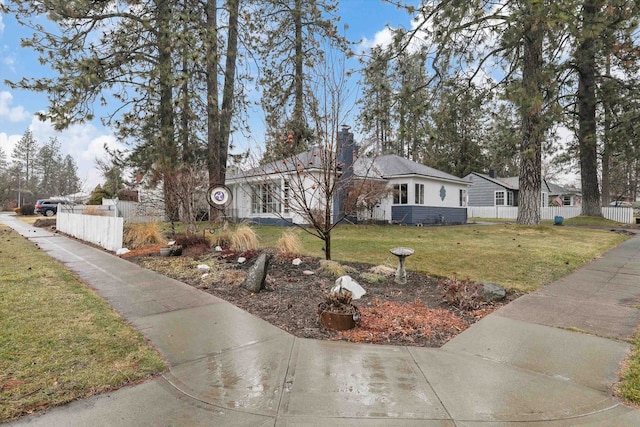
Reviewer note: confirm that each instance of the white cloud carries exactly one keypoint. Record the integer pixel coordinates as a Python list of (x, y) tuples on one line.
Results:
[(83, 142), (382, 38), (13, 114), (8, 142)]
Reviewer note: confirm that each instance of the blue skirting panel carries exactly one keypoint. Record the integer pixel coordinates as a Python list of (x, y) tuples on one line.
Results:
[(425, 215), (266, 221)]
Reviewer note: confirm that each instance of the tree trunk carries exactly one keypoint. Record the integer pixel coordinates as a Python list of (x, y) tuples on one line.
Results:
[(213, 114), (606, 150), (298, 109), (327, 245), (587, 140), (226, 112), (529, 196), (167, 144)]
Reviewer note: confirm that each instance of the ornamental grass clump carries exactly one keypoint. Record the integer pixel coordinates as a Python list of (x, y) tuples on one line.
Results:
[(289, 244), (143, 234)]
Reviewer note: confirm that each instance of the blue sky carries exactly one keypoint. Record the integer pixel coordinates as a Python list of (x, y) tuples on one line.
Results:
[(366, 20)]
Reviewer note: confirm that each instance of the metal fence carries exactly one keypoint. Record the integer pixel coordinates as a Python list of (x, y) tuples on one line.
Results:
[(619, 214)]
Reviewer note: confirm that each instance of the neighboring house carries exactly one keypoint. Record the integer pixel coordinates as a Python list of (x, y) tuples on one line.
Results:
[(559, 195), (491, 190), (418, 194)]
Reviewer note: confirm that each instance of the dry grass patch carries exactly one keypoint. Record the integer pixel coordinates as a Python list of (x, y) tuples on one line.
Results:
[(59, 341), (289, 244), (241, 238), (143, 234)]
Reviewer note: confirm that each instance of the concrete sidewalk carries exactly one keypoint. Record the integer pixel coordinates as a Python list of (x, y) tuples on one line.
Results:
[(526, 363)]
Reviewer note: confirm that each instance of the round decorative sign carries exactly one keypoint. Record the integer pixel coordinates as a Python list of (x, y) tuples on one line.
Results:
[(219, 196)]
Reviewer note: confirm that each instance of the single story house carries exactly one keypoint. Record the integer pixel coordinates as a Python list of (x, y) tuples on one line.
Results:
[(421, 194), (491, 190), (285, 192)]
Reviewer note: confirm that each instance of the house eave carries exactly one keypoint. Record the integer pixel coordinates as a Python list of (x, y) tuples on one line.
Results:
[(435, 178)]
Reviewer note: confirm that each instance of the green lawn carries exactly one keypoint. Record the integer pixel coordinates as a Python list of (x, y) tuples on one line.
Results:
[(512, 256), (59, 341)]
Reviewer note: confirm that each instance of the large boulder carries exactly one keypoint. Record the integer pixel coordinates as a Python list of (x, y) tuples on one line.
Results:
[(491, 292), (346, 282), (257, 274)]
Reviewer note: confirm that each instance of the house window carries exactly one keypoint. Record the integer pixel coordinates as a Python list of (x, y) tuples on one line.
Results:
[(545, 200), (463, 198), (419, 196), (285, 196), (503, 198), (566, 201), (264, 199), (400, 194)]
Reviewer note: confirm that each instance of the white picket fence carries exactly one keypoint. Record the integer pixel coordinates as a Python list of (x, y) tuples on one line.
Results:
[(619, 214), (104, 231)]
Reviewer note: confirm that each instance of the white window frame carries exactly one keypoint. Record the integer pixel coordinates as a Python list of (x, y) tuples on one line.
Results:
[(510, 198), (544, 199), (567, 200), (463, 197), (419, 194), (263, 200), (286, 193), (503, 194), (401, 197)]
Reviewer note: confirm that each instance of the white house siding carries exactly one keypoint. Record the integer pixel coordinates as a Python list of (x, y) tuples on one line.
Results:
[(242, 200), (435, 209), (431, 191)]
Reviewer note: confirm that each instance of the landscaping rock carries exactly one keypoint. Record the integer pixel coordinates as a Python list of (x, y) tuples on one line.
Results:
[(347, 282), (241, 260), (308, 273), (296, 262), (122, 251), (217, 249), (491, 292), (257, 274), (203, 267)]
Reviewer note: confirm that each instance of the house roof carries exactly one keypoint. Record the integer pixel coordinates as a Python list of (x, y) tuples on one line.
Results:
[(306, 160), (510, 183), (392, 166), (381, 167), (513, 183)]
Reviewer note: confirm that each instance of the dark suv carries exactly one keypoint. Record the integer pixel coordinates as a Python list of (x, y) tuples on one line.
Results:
[(46, 207)]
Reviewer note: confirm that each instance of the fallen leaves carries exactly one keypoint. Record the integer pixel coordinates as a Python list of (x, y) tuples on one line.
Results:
[(385, 321)]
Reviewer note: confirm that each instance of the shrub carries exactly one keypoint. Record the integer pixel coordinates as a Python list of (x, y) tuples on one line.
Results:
[(93, 210), (27, 209), (373, 278), (462, 293), (289, 244), (125, 194), (144, 234), (335, 269), (187, 240)]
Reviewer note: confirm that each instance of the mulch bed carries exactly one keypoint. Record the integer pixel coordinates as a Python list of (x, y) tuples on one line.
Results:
[(414, 314)]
